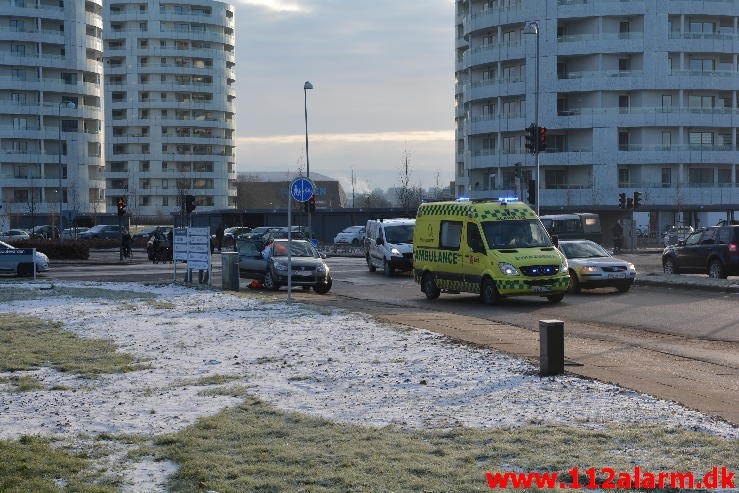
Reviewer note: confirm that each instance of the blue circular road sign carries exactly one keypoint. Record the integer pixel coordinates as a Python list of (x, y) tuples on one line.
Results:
[(301, 189)]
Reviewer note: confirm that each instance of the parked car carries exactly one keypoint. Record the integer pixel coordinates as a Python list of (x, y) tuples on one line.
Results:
[(9, 265), (308, 267), (145, 234), (259, 233), (15, 235), (713, 251), (44, 231), (235, 232), (72, 233), (353, 235), (591, 266), (675, 234), (296, 233), (102, 231)]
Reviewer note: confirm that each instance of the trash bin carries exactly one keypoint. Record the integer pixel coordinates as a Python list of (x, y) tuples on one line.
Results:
[(230, 270)]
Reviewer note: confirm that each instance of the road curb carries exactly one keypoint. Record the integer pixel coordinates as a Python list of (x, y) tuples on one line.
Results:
[(674, 281)]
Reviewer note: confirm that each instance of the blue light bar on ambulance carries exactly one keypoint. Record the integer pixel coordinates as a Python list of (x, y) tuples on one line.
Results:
[(507, 200)]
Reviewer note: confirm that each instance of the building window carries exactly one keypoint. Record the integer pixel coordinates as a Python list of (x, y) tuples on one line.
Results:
[(700, 140), (555, 178), (700, 177), (624, 178), (666, 177)]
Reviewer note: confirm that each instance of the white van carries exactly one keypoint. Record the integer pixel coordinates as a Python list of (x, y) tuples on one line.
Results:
[(389, 245)]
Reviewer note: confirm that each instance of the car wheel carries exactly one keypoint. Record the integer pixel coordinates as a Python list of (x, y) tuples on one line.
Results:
[(372, 268), (669, 266), (574, 283), (270, 283), (716, 269), (386, 269), (355, 242), (556, 298), (488, 292), (429, 286), (25, 270), (323, 288)]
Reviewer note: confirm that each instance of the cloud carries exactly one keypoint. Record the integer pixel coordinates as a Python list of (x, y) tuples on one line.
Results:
[(276, 5), (359, 137)]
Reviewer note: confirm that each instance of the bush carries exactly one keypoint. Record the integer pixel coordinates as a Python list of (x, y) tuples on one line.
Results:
[(67, 250)]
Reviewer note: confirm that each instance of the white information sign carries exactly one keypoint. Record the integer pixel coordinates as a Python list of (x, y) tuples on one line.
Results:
[(198, 248), (180, 244)]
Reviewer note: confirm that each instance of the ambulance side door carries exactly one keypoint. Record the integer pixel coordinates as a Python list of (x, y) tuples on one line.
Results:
[(474, 256)]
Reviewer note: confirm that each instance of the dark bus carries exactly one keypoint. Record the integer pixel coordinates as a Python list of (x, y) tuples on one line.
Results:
[(578, 226)]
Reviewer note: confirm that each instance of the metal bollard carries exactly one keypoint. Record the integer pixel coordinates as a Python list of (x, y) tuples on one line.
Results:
[(230, 270), (551, 347)]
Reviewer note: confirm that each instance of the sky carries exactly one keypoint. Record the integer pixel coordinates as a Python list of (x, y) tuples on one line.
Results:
[(383, 78)]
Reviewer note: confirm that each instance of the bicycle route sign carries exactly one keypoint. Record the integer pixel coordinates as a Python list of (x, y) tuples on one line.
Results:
[(302, 189)]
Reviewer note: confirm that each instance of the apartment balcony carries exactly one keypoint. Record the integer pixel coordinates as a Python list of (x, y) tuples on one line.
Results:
[(647, 154), (491, 88)]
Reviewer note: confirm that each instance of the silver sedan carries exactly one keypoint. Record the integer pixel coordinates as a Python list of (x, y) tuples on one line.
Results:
[(591, 266)]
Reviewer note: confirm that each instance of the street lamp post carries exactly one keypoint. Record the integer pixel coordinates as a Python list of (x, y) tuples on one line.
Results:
[(533, 28), (306, 87)]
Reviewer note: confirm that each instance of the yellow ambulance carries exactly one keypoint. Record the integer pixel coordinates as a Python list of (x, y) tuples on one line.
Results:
[(493, 248)]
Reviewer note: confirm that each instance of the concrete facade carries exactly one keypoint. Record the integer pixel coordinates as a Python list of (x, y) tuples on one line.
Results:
[(169, 73), (51, 109), (636, 96)]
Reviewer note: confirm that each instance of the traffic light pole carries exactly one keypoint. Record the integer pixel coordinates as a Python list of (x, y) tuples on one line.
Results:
[(536, 121)]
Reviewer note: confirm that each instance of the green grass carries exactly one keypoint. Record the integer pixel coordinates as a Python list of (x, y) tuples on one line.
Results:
[(23, 383), (256, 448), (27, 343), (33, 464), (24, 294)]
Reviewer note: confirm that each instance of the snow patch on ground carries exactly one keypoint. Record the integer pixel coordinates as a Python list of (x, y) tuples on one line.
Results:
[(335, 365)]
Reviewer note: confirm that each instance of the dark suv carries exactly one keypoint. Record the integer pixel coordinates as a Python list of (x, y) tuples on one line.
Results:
[(713, 250)]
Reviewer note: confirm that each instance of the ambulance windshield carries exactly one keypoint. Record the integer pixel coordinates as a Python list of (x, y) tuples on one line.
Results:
[(525, 233)]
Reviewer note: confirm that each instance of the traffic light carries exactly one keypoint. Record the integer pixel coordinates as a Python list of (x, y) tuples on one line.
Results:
[(541, 145), (517, 170), (189, 203), (637, 200), (531, 139), (532, 192), (121, 203), (622, 200), (312, 203), (629, 203)]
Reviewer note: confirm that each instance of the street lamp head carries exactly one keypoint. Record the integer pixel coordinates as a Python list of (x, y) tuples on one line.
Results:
[(531, 28), (307, 85)]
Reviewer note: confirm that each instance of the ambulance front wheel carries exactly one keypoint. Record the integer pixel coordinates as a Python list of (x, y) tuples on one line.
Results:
[(429, 286), (488, 292), (556, 298)]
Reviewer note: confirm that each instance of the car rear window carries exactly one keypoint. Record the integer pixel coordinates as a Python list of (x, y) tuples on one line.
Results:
[(728, 235)]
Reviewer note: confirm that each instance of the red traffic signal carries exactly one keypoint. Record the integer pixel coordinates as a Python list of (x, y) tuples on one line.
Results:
[(531, 139), (541, 145), (121, 203), (312, 203)]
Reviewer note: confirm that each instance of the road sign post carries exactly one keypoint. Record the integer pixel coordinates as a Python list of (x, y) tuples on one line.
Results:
[(301, 189)]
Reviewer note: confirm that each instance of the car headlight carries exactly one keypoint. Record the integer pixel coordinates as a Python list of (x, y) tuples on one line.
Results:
[(631, 267), (507, 269), (279, 265), (589, 268), (565, 266), (322, 268), (395, 251)]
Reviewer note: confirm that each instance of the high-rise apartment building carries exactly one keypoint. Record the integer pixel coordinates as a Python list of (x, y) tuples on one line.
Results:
[(636, 95), (169, 74), (51, 109)]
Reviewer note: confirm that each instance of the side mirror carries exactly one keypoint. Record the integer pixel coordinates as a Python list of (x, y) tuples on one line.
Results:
[(323, 255), (555, 240), (379, 241), (681, 243)]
